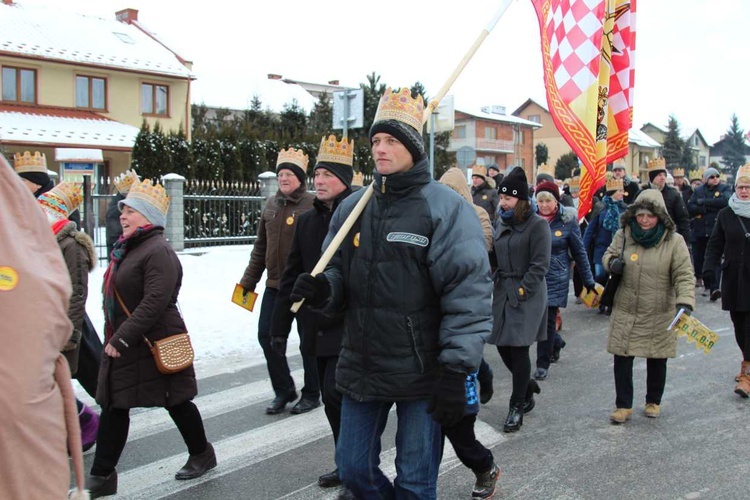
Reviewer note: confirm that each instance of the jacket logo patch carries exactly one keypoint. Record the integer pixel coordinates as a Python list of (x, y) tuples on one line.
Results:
[(410, 238)]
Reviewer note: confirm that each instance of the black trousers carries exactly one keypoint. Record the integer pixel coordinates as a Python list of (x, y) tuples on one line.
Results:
[(468, 449), (544, 348), (741, 320), (516, 359), (656, 378), (699, 253), (114, 425), (331, 396)]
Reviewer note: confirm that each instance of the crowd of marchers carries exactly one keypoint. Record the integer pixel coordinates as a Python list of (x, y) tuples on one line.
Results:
[(420, 275)]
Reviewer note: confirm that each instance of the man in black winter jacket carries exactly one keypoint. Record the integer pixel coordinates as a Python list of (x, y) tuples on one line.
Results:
[(323, 331), (413, 278), (657, 176)]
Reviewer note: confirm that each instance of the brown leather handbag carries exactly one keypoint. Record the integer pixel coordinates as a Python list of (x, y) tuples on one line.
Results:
[(171, 354)]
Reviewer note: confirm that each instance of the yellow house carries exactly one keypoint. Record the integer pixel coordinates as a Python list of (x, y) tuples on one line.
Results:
[(547, 134), (74, 81)]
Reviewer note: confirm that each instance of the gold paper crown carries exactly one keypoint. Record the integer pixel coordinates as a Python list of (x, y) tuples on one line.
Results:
[(400, 106), (293, 156), (697, 175), (678, 172), (153, 194), (545, 169), (743, 171), (358, 180), (574, 183), (125, 181), (336, 152), (614, 184), (479, 170), (657, 164), (29, 163), (61, 200)]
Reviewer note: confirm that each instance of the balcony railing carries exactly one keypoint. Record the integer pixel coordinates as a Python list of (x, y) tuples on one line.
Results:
[(481, 144)]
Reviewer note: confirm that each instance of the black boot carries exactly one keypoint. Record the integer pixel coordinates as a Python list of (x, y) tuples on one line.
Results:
[(279, 403), (329, 480), (197, 465), (531, 389), (101, 486), (514, 420)]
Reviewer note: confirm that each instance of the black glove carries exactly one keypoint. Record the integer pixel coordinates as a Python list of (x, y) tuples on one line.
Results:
[(616, 265), (687, 308), (314, 289), (708, 278), (591, 288), (278, 345), (448, 401), (246, 290)]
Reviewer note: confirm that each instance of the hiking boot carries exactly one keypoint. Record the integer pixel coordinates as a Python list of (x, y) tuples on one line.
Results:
[(89, 422), (279, 403), (514, 420), (652, 410), (101, 486), (304, 405), (621, 415), (531, 389), (743, 385), (197, 465), (486, 482)]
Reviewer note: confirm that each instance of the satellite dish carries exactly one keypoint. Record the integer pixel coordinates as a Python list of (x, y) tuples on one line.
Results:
[(465, 156)]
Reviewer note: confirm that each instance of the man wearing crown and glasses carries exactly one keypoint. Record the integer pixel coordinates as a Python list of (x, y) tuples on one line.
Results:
[(270, 251), (413, 279)]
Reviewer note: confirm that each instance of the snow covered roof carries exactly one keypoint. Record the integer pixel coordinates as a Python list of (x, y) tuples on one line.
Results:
[(273, 94), (79, 155), (63, 127), (642, 139), (499, 118), (62, 35)]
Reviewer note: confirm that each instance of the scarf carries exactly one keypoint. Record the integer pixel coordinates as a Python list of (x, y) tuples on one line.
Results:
[(739, 207), (649, 238), (57, 226), (611, 215), (549, 218), (119, 251), (508, 216)]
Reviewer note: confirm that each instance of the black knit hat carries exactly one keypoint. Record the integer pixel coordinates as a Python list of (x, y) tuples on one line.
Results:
[(345, 173), (653, 173), (298, 172), (515, 184), (406, 134)]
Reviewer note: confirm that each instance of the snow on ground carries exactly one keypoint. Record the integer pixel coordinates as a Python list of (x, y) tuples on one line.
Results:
[(224, 336)]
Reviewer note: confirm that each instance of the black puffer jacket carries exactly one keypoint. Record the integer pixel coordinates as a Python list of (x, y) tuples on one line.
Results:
[(677, 210), (704, 206), (322, 331), (414, 278)]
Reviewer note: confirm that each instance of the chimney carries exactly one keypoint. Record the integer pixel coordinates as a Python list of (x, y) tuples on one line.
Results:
[(126, 16), (333, 82), (273, 76)]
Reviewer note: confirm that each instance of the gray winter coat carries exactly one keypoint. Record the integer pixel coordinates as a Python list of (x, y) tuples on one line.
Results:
[(519, 303)]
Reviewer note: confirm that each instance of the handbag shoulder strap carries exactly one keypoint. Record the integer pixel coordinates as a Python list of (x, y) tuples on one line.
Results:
[(743, 226), (127, 312)]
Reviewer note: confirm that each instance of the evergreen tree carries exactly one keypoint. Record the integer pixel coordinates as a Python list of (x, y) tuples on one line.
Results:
[(542, 154), (565, 165), (734, 156), (321, 117), (688, 158), (182, 156), (293, 122), (673, 148), (142, 151)]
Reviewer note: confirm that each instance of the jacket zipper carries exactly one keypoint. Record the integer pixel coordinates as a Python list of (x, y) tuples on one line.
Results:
[(410, 328)]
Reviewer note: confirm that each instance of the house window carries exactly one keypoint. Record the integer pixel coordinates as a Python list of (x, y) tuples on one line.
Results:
[(535, 118), (459, 132), (490, 133), (702, 162), (154, 99), (91, 92), (19, 85)]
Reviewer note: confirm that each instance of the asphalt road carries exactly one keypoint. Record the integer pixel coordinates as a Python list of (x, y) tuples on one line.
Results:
[(566, 449)]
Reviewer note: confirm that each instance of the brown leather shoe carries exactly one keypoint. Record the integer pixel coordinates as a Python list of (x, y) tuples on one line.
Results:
[(197, 465)]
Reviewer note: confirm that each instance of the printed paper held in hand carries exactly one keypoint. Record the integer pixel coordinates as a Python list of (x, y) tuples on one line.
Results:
[(694, 331), (245, 301)]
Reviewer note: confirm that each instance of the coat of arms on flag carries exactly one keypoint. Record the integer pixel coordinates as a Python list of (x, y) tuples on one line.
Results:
[(588, 52)]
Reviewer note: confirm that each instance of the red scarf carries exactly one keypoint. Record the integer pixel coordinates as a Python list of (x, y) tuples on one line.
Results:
[(57, 226)]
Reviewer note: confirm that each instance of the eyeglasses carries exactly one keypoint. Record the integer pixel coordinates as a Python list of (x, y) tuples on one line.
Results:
[(741, 188), (713, 176)]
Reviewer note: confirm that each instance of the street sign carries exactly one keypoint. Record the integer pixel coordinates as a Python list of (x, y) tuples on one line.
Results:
[(465, 157), (70, 169), (446, 115), (348, 109)]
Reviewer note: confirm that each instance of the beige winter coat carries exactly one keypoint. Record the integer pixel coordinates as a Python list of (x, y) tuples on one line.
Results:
[(654, 281), (455, 179), (34, 293)]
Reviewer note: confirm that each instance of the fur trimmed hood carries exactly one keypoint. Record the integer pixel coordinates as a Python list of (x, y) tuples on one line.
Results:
[(81, 238), (652, 200), (567, 214)]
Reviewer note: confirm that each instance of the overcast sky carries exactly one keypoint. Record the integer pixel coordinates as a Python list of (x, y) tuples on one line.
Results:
[(690, 58)]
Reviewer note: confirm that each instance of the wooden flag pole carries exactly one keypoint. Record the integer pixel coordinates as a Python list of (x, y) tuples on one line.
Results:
[(360, 206)]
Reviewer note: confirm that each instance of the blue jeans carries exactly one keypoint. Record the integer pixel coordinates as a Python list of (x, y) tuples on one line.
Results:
[(418, 449), (600, 275)]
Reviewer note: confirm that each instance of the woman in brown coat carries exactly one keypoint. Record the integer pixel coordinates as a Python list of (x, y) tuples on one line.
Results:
[(657, 281), (140, 300)]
